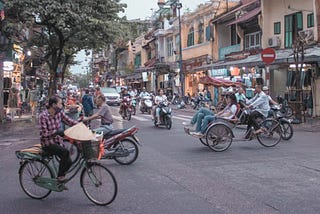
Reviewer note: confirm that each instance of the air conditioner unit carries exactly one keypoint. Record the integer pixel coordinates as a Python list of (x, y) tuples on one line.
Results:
[(274, 42), (307, 35)]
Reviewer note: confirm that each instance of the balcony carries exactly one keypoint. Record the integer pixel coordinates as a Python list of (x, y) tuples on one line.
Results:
[(227, 50)]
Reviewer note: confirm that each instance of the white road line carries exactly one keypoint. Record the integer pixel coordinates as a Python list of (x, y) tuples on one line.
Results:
[(187, 116), (140, 118)]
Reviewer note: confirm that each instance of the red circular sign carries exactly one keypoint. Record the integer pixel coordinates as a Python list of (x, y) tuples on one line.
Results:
[(268, 55)]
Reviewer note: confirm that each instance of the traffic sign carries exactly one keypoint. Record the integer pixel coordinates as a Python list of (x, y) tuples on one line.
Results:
[(268, 55)]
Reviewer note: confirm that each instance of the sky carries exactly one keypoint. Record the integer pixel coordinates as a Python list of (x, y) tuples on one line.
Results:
[(135, 9), (143, 8)]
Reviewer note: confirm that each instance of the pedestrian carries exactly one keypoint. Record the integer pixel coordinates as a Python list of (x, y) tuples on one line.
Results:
[(87, 103), (13, 102), (33, 98)]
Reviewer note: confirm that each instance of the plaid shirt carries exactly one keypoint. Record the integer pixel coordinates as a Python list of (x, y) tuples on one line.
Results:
[(50, 124)]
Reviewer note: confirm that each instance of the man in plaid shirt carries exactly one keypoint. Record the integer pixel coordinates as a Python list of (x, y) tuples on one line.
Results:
[(52, 135)]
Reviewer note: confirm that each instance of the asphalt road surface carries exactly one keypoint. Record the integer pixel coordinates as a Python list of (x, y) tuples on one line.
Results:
[(175, 173)]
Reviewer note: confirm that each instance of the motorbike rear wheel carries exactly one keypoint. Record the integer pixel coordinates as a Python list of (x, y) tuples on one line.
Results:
[(126, 145)]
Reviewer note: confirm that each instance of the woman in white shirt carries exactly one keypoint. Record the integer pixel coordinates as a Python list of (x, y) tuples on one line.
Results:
[(227, 113)]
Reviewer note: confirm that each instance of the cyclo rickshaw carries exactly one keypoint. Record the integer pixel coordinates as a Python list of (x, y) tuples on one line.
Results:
[(220, 133)]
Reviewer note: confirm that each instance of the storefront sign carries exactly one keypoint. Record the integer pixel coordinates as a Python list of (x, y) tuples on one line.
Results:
[(219, 72)]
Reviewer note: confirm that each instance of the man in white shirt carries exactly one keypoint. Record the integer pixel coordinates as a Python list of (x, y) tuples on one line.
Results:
[(260, 105), (159, 98)]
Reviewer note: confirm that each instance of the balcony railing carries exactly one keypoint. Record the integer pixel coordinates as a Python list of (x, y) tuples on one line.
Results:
[(227, 50)]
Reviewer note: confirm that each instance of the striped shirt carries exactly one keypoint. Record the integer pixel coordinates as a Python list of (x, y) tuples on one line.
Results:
[(49, 125)]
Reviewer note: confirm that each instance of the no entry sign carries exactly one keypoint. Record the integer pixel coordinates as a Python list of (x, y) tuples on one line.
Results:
[(268, 55)]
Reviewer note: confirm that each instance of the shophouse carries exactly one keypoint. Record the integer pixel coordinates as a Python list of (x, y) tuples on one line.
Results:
[(255, 25)]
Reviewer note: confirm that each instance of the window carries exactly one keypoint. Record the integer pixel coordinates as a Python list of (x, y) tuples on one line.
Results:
[(292, 25), (137, 60), (170, 46), (310, 20), (149, 55), (288, 22), (200, 33), (252, 40), (299, 21), (277, 28), (208, 33), (190, 37)]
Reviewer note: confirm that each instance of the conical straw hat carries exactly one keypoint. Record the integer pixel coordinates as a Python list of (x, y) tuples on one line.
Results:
[(79, 132)]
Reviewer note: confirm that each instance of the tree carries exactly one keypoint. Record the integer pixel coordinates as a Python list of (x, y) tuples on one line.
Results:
[(62, 28)]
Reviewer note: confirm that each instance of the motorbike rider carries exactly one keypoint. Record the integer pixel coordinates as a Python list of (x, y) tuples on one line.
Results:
[(131, 92), (103, 113), (161, 97), (142, 95), (122, 96), (260, 105)]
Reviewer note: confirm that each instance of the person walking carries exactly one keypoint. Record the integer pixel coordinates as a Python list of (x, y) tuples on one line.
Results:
[(87, 103), (33, 98)]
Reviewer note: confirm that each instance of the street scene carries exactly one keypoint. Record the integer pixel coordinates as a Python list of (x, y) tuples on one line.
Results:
[(160, 106), (175, 173)]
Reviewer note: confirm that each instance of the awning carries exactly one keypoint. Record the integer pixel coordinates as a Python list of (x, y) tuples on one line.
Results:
[(246, 17), (207, 80), (282, 56)]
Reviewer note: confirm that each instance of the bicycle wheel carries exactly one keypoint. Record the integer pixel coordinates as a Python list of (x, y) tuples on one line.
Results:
[(203, 141), (128, 151), (287, 130), (29, 171), (271, 134), (98, 184), (219, 137)]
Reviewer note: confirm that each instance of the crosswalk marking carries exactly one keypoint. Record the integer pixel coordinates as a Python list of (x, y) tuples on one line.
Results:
[(147, 117)]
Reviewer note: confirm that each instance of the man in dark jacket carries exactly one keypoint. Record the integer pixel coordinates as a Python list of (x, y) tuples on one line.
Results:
[(87, 103)]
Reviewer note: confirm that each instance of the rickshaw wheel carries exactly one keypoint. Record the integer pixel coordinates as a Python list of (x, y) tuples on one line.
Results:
[(219, 137)]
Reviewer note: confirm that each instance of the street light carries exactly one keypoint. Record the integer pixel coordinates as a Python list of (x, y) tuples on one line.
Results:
[(179, 6)]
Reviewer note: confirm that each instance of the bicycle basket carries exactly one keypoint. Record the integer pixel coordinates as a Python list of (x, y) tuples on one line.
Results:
[(91, 150)]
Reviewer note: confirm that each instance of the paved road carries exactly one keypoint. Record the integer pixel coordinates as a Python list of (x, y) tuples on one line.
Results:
[(176, 174)]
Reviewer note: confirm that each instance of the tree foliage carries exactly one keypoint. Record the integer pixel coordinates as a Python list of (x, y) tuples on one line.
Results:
[(61, 28)]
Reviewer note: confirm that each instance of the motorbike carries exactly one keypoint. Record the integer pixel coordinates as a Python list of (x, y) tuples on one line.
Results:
[(198, 102), (121, 145), (285, 123), (145, 104), (165, 115), (126, 108), (284, 107)]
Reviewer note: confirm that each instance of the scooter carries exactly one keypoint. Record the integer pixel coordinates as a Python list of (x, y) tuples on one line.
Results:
[(121, 145), (145, 104), (165, 116)]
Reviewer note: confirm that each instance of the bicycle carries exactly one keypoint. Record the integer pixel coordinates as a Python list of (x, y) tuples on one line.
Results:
[(38, 172), (219, 134)]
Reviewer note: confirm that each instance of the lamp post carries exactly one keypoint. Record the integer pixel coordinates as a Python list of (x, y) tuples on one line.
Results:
[(179, 6)]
